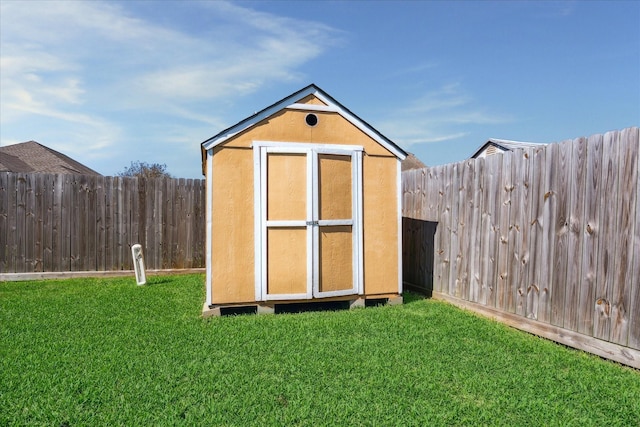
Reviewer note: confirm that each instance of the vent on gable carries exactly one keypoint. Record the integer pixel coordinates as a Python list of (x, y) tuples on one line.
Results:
[(311, 120), (491, 150)]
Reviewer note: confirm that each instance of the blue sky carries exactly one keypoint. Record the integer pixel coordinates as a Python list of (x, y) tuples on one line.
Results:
[(108, 83)]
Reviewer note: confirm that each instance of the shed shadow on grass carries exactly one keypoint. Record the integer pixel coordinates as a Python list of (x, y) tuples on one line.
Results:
[(301, 307)]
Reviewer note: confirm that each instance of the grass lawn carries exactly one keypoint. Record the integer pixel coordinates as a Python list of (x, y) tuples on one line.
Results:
[(107, 352)]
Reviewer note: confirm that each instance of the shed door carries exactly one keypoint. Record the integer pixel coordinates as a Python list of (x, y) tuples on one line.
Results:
[(309, 222)]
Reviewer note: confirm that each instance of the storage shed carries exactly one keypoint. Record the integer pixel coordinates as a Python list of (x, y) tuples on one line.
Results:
[(303, 204)]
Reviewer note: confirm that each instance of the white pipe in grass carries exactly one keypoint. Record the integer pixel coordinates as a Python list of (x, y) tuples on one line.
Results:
[(138, 263)]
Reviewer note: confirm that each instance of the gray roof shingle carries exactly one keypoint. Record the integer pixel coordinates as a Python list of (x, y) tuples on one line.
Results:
[(33, 157)]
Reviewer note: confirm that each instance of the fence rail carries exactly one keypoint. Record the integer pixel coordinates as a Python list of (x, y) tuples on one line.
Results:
[(52, 222), (550, 234)]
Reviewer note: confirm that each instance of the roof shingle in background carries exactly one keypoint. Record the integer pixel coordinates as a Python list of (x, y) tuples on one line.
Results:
[(33, 157)]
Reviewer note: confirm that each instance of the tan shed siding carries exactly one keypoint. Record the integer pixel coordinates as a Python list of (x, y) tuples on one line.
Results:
[(311, 100), (233, 226), (380, 225), (289, 126)]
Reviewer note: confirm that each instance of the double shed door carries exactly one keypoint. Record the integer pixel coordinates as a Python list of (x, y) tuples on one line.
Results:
[(309, 222)]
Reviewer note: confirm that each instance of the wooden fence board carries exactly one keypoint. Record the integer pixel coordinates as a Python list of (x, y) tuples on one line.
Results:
[(150, 244), (592, 200), (607, 239), (30, 242), (39, 213), (536, 279), (561, 229), (454, 248), (503, 300), (21, 223), (474, 232), (7, 221), (626, 209), (577, 191), (134, 221), (549, 202), (515, 250), (78, 230), (634, 307), (490, 269), (48, 222), (441, 253), (520, 219), (110, 223), (123, 221), (69, 221), (462, 233), (443, 235), (100, 233)]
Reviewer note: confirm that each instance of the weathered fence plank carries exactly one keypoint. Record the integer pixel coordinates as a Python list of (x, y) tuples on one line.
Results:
[(39, 213), (30, 242), (454, 257), (592, 200), (474, 232), (465, 198), (626, 211), (488, 227), (441, 254), (577, 192), (520, 218), (48, 223), (608, 240), (503, 294), (549, 203), (561, 229), (536, 273), (634, 305), (100, 234)]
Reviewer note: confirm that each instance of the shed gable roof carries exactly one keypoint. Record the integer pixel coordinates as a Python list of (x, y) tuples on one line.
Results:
[(294, 102), (33, 157)]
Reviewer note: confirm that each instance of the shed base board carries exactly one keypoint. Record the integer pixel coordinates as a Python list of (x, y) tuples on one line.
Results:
[(269, 307)]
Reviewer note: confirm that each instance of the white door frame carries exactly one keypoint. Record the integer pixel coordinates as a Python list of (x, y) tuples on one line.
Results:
[(311, 222)]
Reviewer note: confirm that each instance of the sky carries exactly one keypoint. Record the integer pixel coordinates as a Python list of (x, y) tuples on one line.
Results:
[(111, 82)]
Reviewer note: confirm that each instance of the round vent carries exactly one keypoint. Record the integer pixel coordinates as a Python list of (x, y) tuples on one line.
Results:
[(311, 119)]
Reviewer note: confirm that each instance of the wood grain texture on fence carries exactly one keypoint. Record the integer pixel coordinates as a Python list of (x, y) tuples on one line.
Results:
[(56, 223), (550, 233)]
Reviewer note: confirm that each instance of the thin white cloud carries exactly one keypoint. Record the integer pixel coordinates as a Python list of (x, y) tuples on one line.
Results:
[(439, 115), (83, 65)]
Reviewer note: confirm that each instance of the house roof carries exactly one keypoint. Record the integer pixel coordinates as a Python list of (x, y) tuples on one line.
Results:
[(290, 102), (412, 162), (33, 157), (504, 145)]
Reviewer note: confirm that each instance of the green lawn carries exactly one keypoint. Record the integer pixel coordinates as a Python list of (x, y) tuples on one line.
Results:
[(107, 352)]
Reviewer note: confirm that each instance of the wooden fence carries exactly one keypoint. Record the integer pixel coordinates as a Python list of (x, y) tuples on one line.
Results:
[(550, 234), (52, 223)]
